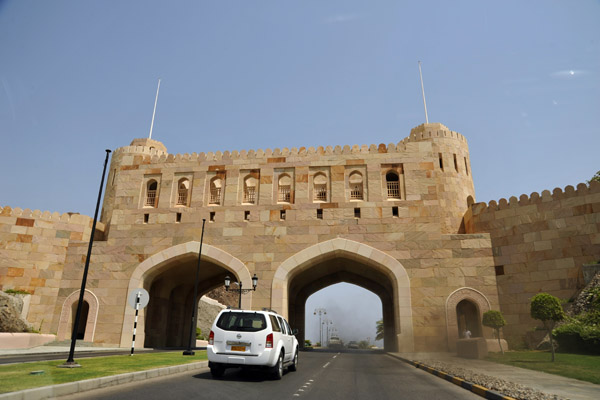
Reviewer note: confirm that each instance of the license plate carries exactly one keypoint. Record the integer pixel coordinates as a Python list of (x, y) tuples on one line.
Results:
[(238, 348)]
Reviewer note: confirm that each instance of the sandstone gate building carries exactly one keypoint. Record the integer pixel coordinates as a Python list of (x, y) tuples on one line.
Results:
[(398, 219)]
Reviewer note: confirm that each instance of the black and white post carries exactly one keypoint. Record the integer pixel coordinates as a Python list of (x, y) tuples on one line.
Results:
[(137, 308)]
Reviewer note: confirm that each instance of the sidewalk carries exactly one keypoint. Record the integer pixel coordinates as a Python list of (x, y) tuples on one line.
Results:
[(547, 383)]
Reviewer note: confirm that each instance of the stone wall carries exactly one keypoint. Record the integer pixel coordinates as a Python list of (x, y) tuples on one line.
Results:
[(33, 247), (540, 244)]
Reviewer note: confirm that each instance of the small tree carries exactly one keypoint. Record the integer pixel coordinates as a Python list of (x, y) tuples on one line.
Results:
[(547, 309), (379, 333), (595, 178), (494, 319)]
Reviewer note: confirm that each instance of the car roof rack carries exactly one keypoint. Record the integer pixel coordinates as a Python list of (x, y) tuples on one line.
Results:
[(268, 309)]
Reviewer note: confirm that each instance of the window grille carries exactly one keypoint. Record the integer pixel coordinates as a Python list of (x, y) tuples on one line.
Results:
[(151, 198), (393, 190), (320, 192), (182, 197), (215, 195), (356, 192), (285, 194), (249, 194)]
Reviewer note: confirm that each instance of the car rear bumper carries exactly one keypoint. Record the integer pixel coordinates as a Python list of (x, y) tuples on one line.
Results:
[(266, 358)]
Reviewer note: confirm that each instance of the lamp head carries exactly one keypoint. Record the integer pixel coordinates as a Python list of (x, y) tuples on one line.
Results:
[(254, 281), (227, 282)]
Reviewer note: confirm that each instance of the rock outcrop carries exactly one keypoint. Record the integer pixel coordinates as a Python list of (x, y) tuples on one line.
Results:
[(10, 314)]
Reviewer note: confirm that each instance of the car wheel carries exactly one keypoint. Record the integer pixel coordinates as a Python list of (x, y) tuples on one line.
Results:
[(294, 365), (217, 372), (278, 368)]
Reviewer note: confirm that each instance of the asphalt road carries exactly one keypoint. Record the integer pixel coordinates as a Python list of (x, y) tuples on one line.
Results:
[(320, 375)]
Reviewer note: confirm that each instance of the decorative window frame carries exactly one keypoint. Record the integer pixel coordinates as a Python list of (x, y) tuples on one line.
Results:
[(65, 323), (249, 176), (316, 174), (177, 180), (349, 173), (279, 175), (144, 190), (397, 169)]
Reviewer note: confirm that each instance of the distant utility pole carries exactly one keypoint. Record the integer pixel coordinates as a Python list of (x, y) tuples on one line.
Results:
[(320, 311), (423, 91)]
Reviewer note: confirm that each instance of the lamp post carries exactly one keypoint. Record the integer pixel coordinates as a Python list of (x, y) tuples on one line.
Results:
[(189, 351), (320, 311), (327, 322), (241, 290), (70, 363)]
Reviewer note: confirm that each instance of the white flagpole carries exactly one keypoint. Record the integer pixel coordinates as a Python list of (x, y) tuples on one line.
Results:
[(154, 112), (423, 91)]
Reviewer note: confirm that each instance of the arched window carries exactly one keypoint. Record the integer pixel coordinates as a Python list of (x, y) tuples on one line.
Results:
[(183, 189), (355, 181), (250, 184), (151, 198), (467, 315), (320, 187), (216, 185), (284, 189), (393, 185)]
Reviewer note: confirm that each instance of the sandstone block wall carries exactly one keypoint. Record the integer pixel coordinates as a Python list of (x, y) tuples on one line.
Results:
[(540, 244), (33, 247)]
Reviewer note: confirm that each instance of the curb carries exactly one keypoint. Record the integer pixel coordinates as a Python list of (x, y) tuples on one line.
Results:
[(477, 389), (47, 392)]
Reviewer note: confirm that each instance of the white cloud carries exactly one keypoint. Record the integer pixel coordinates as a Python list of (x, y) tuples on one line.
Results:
[(568, 73)]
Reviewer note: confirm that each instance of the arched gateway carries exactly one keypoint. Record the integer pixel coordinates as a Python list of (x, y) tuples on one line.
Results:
[(343, 260), (169, 278)]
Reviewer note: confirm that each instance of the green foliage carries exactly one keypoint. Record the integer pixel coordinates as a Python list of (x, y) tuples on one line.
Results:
[(318, 344), (493, 319), (580, 334), (363, 344), (379, 332), (307, 343), (13, 291), (546, 307), (199, 335), (595, 178)]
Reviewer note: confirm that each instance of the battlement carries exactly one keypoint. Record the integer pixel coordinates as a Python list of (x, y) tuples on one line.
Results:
[(421, 132), (536, 198), (73, 218)]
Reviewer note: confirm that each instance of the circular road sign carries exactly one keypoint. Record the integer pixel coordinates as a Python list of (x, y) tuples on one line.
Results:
[(144, 298)]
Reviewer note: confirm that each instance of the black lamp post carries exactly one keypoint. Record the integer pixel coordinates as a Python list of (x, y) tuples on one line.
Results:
[(70, 363), (240, 290), (192, 341)]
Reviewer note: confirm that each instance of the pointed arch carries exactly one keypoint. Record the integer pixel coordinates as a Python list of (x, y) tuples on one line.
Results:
[(65, 323), (157, 263), (465, 293), (364, 254)]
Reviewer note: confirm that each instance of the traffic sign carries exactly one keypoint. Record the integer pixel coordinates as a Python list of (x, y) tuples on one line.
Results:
[(144, 298)]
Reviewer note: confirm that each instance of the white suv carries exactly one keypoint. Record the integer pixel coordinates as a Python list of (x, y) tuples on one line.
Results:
[(247, 338)]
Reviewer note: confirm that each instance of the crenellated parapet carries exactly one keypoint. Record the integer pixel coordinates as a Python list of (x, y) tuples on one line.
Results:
[(535, 198), (73, 218)]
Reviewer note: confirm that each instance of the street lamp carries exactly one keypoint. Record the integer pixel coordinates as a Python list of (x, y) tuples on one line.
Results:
[(320, 311), (240, 290), (192, 341)]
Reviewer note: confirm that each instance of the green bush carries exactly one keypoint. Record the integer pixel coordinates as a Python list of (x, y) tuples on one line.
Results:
[(13, 291), (307, 343), (580, 334)]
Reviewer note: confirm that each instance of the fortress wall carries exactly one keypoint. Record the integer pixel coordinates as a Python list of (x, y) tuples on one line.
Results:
[(540, 244), (33, 247)]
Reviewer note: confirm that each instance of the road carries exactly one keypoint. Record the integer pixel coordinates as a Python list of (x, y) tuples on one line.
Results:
[(320, 375)]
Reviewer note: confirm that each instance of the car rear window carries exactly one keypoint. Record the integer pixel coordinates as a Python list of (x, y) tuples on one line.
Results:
[(242, 321)]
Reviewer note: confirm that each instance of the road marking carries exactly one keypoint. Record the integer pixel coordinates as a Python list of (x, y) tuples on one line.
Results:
[(325, 366)]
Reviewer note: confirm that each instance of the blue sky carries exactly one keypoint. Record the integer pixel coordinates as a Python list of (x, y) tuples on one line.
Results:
[(520, 79)]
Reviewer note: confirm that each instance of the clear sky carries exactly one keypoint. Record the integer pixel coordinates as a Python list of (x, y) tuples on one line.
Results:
[(520, 79)]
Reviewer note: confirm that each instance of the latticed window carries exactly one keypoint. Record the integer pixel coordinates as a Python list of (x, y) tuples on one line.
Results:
[(284, 190), (215, 191), (393, 185), (320, 187), (182, 192), (250, 190), (151, 194), (356, 186)]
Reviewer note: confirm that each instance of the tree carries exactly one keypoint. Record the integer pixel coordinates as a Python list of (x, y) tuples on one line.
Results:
[(379, 335), (595, 178), (547, 309), (494, 319)]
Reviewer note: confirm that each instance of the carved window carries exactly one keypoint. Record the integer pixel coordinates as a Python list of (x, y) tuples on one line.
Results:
[(183, 190), (151, 194), (320, 187), (284, 189), (355, 181), (393, 185), (216, 186), (250, 184)]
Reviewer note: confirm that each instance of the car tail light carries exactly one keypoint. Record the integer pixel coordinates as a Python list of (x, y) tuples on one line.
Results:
[(269, 344), (211, 338)]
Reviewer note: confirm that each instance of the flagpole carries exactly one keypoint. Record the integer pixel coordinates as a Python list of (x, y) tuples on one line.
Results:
[(154, 112), (423, 91)]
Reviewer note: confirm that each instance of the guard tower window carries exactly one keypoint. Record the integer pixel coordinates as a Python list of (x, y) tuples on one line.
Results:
[(151, 198), (320, 187), (319, 213), (357, 213), (216, 185), (282, 215), (246, 215), (466, 166), (284, 189), (394, 211), (183, 189), (211, 217), (441, 161), (250, 184), (455, 163), (355, 181), (393, 185)]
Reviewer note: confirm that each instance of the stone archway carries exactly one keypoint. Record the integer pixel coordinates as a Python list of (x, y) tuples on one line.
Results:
[(471, 295), (159, 265), (343, 260), (65, 324)]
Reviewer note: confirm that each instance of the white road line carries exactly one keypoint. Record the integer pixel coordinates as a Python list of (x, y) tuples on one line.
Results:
[(325, 366)]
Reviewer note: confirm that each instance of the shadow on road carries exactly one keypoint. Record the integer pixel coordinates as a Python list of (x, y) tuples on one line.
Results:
[(240, 375)]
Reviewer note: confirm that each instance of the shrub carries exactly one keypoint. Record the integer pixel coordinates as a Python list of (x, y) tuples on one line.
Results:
[(494, 320), (307, 343), (580, 334), (547, 308)]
